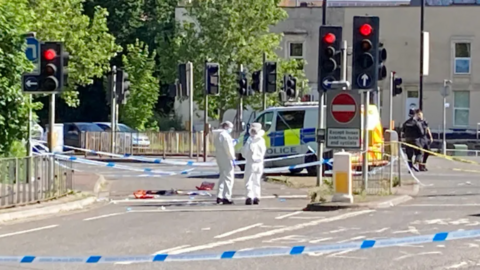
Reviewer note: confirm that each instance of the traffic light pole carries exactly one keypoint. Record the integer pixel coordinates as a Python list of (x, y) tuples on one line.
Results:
[(366, 105), (205, 116), (321, 126), (264, 91), (113, 109), (240, 107), (390, 117), (190, 105)]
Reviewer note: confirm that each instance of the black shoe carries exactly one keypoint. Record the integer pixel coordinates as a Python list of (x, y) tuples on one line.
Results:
[(219, 201), (225, 201), (256, 201), (248, 201)]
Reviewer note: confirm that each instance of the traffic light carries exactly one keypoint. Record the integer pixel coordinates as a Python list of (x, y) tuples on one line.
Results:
[(52, 67), (242, 84), (256, 80), (382, 57), (365, 60), (329, 55), (122, 86), (290, 86), (397, 86), (182, 80), (212, 85), (270, 77)]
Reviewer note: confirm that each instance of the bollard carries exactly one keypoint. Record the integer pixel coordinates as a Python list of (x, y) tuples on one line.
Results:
[(342, 177)]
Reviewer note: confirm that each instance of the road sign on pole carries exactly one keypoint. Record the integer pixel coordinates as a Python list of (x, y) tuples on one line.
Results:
[(33, 52), (343, 119)]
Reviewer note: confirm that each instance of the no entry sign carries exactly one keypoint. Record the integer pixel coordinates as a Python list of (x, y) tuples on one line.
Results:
[(343, 108)]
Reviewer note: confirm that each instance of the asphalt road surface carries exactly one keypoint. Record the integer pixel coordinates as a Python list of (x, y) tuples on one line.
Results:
[(448, 202)]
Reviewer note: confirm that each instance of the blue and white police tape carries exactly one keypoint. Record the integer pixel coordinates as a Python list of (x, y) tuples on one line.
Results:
[(178, 163), (252, 253), (123, 167)]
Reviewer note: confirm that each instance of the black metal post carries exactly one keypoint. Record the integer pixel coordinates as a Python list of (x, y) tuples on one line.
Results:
[(420, 88), (324, 12)]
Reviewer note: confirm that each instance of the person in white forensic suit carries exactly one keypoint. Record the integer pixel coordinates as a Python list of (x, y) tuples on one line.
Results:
[(254, 152), (225, 154)]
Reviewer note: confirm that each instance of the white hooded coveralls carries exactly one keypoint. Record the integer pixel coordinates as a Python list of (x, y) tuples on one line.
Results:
[(254, 153), (225, 154)]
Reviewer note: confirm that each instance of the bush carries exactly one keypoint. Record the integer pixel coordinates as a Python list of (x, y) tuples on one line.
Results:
[(166, 123)]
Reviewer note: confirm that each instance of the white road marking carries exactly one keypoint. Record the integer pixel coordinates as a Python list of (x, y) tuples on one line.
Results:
[(352, 239), (338, 255), (239, 230), (417, 254), (320, 240), (103, 216), (289, 239), (216, 209), (455, 266), (442, 205), (411, 229), (304, 217), (276, 231), (377, 231), (273, 226), (27, 231), (289, 215), (165, 251)]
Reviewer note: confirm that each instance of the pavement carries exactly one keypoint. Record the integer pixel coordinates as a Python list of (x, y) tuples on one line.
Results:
[(447, 201)]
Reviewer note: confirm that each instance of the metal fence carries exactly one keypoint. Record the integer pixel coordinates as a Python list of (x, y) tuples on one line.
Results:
[(33, 179), (158, 143)]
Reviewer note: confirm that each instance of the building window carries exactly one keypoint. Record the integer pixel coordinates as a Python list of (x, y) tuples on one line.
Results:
[(295, 50), (462, 63), (461, 108)]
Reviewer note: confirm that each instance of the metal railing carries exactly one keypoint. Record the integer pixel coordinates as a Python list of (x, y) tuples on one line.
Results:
[(33, 179)]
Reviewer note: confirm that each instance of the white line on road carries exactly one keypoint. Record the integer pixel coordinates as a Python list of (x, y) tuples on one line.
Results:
[(289, 215), (103, 216), (320, 240), (338, 255), (216, 209), (417, 254), (27, 231), (276, 231), (352, 239), (165, 251), (238, 230), (202, 200), (442, 205)]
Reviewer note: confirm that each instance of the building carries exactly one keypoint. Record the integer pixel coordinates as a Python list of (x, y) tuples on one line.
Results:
[(454, 39)]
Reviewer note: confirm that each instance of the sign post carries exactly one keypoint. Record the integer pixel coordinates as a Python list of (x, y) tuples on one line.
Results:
[(445, 92), (343, 120)]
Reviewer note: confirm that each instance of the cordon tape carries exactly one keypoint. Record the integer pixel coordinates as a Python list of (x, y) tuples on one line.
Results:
[(252, 253)]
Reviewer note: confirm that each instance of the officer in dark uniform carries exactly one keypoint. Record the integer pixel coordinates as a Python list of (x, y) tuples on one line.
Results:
[(427, 139), (413, 132)]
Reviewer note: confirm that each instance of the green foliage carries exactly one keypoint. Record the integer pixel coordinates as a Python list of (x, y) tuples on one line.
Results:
[(87, 40), (231, 33), (14, 22), (140, 65), (166, 123)]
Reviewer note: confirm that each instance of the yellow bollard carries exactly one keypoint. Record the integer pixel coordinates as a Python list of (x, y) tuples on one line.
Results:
[(342, 177)]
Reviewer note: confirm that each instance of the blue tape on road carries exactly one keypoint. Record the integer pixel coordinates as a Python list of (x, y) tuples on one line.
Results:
[(253, 253)]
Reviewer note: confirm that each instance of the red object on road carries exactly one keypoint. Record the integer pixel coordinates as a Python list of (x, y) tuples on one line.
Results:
[(343, 108), (206, 186), (142, 194)]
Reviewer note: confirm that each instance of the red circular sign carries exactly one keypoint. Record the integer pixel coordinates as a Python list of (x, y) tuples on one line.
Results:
[(343, 108)]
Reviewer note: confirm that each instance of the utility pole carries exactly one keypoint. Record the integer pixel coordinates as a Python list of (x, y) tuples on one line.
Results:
[(190, 104), (365, 139), (390, 117), (422, 45), (264, 89), (113, 112), (240, 107)]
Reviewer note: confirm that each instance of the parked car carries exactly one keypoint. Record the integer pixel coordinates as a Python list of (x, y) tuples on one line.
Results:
[(72, 132), (138, 139)]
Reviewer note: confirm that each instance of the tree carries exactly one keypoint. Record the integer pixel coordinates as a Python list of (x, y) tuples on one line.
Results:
[(87, 40), (139, 63), (13, 62), (231, 33)]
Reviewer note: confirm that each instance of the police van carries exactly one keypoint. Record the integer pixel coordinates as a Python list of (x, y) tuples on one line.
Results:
[(291, 130)]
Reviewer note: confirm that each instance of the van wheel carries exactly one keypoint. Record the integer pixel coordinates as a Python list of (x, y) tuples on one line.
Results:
[(295, 171)]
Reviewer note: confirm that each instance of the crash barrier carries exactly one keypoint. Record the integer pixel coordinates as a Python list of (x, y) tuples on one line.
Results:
[(33, 179), (147, 143), (251, 253), (184, 172)]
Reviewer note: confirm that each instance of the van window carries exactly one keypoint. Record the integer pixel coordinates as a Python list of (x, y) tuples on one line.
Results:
[(290, 120), (266, 120)]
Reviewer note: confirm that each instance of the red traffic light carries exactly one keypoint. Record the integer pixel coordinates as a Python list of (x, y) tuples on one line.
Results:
[(49, 54), (329, 38), (366, 29)]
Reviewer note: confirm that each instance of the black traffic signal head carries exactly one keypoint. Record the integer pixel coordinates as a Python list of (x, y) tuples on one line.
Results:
[(382, 57), (242, 84), (365, 55), (182, 80), (256, 80), (212, 84), (397, 86), (329, 55), (122, 86), (270, 77), (51, 67), (290, 86)]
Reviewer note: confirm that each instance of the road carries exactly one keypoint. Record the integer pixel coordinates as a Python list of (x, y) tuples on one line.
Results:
[(449, 202)]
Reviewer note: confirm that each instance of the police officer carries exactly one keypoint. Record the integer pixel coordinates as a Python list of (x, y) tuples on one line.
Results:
[(427, 139), (413, 131)]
